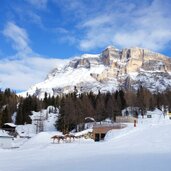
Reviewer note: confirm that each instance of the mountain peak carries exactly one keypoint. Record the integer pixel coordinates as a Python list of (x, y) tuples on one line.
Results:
[(111, 47), (112, 69), (90, 56)]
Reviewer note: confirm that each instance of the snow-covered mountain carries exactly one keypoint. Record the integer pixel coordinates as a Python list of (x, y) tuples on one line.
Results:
[(108, 71)]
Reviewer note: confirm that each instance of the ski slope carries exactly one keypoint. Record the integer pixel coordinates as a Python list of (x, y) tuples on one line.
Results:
[(146, 147)]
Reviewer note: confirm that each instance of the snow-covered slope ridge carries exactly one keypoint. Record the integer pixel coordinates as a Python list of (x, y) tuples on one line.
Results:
[(107, 71)]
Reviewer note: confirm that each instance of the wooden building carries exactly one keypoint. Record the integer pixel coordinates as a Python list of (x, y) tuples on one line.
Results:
[(100, 130), (126, 119), (10, 128)]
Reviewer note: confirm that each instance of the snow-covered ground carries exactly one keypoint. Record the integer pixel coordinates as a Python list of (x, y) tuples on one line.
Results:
[(146, 147), (48, 117)]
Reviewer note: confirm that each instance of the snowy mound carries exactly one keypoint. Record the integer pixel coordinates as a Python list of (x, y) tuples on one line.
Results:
[(153, 118), (40, 140)]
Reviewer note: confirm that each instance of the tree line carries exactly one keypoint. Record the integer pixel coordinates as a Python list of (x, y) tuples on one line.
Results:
[(74, 107), (8, 105)]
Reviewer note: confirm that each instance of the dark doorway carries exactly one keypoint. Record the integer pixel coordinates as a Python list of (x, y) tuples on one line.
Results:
[(102, 136), (97, 137)]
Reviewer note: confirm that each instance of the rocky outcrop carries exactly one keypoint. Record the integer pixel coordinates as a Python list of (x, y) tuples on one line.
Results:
[(132, 60), (110, 55)]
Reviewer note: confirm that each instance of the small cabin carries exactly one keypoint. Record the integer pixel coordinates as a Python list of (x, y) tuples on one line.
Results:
[(130, 115), (10, 128), (100, 130), (89, 122), (126, 119), (6, 140)]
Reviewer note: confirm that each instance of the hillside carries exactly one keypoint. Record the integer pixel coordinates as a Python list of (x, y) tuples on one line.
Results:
[(108, 71)]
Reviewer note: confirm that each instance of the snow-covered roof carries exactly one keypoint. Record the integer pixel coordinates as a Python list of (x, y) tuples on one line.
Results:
[(90, 119), (10, 124), (111, 47), (83, 132)]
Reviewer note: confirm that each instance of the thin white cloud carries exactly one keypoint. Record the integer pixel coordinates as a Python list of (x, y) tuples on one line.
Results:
[(23, 73), (26, 67), (146, 26), (98, 21), (27, 14), (34, 18), (41, 4), (19, 38), (76, 7), (65, 36)]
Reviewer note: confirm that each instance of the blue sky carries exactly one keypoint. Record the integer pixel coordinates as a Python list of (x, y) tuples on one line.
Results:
[(34, 34)]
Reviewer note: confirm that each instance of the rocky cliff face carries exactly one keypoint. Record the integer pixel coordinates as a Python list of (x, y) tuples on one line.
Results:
[(108, 71)]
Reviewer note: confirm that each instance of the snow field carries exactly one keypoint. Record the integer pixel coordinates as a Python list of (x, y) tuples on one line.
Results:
[(146, 147)]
